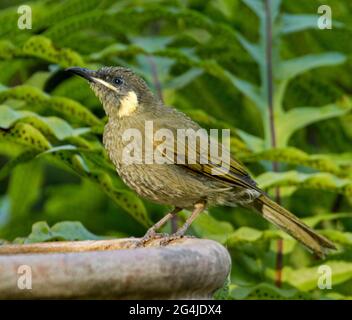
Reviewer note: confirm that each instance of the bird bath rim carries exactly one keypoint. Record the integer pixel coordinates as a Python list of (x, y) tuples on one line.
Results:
[(187, 268)]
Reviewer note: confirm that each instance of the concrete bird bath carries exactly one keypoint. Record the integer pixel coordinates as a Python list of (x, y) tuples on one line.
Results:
[(187, 268)]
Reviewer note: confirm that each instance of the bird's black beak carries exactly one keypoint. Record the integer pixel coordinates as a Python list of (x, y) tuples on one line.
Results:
[(92, 76), (83, 72)]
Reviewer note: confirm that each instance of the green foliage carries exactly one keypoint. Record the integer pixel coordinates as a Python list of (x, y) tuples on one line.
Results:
[(62, 231), (306, 279), (323, 181), (267, 292), (212, 63)]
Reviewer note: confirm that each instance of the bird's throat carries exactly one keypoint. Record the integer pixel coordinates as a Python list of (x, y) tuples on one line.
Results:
[(128, 104)]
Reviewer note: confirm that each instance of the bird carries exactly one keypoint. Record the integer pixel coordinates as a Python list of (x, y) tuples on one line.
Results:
[(129, 104)]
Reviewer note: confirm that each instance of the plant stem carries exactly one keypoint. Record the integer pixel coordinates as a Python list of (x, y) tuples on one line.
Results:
[(270, 89), (269, 73), (155, 77), (279, 263)]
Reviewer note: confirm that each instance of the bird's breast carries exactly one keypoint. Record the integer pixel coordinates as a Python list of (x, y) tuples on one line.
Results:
[(161, 183), (170, 184)]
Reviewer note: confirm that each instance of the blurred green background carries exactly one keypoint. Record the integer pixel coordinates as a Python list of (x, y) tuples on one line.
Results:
[(219, 61)]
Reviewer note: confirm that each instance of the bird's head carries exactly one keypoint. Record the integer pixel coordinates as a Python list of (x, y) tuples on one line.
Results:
[(121, 91)]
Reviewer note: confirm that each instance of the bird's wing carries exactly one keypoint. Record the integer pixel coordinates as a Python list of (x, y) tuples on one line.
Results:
[(198, 159)]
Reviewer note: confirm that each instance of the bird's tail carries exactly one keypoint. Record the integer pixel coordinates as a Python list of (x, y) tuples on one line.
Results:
[(289, 223)]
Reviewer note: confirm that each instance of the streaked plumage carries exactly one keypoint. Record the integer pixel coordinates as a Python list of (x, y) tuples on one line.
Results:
[(188, 186)]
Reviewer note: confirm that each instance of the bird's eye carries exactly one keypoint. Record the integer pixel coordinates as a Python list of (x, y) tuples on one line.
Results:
[(118, 81)]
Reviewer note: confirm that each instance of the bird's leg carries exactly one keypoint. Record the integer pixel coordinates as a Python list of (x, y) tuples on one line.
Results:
[(151, 233), (198, 208)]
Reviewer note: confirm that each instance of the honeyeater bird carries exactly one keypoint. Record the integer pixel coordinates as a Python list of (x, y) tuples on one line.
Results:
[(129, 104)]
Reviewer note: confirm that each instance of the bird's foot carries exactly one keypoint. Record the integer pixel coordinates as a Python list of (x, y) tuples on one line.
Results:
[(177, 235), (150, 235)]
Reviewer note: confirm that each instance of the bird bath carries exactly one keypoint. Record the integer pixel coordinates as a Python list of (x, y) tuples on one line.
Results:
[(187, 268)]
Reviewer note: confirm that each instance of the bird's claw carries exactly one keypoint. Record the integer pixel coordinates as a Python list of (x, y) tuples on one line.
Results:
[(170, 238), (150, 235)]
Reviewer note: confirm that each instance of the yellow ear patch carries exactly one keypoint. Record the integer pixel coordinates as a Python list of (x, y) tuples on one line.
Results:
[(128, 104)]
